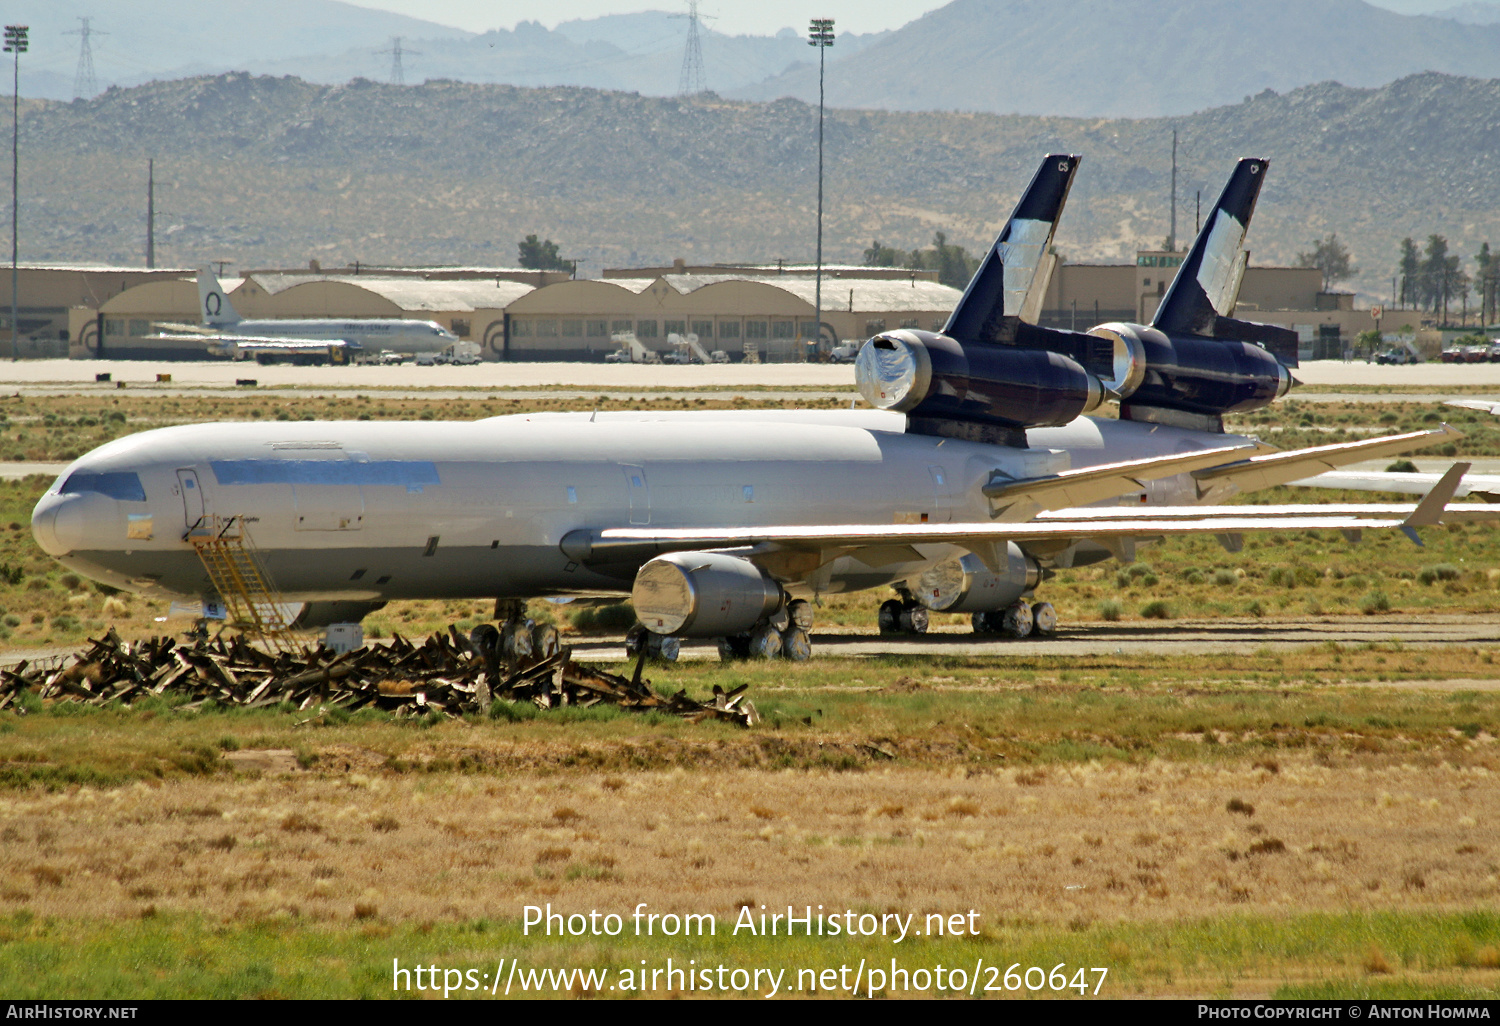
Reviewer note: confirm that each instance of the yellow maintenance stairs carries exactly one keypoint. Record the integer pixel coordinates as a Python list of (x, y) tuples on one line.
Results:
[(251, 601)]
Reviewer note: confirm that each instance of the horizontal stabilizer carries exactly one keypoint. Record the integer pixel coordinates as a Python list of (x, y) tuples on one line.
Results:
[(1484, 487), (1207, 285), (1006, 277)]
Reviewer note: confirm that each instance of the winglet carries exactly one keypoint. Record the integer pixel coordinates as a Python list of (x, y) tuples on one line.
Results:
[(1208, 282), (1430, 510), (1008, 274)]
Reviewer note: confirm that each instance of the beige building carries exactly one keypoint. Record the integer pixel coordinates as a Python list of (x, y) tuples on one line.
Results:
[(1080, 296), (774, 317), (48, 293), (473, 308), (781, 267)]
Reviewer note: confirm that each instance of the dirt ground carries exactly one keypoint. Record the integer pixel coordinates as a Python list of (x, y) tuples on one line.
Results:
[(1061, 844)]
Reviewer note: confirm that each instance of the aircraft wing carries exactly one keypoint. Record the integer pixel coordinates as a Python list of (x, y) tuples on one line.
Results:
[(1017, 499), (1269, 469), (623, 544)]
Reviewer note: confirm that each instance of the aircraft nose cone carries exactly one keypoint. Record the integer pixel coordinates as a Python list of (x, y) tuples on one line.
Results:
[(44, 525), (63, 523)]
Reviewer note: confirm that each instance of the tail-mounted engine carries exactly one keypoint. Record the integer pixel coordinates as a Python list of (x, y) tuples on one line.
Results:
[(1208, 376), (941, 384)]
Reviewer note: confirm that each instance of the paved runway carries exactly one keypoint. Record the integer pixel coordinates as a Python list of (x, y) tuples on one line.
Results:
[(1317, 376), (1168, 638)]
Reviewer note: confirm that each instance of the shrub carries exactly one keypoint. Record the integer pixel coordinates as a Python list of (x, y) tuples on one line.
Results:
[(1225, 578), (620, 616), (1111, 609), (1374, 602), (1441, 572), (1402, 467), (1157, 610)]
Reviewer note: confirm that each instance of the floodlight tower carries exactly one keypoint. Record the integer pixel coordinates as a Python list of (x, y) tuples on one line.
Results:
[(820, 34), (16, 43)]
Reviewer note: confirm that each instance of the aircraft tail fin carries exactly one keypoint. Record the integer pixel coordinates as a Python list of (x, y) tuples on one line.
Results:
[(213, 304), (1207, 285), (1002, 289)]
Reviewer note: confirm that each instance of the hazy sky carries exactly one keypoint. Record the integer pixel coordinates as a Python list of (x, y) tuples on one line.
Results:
[(764, 17)]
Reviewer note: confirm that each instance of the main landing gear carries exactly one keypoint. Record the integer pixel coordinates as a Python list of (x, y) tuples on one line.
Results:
[(517, 641), (784, 636), (1018, 620)]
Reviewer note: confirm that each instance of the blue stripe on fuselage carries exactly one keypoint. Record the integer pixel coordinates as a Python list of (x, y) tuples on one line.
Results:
[(325, 472)]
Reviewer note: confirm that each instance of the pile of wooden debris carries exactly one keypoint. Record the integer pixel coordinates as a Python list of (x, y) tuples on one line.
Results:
[(447, 675)]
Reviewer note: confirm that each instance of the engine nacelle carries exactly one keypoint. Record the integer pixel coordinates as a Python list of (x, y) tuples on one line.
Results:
[(1210, 376), (928, 375), (966, 585), (703, 595)]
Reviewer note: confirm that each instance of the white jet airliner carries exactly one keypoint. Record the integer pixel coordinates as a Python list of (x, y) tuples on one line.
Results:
[(319, 338), (977, 474)]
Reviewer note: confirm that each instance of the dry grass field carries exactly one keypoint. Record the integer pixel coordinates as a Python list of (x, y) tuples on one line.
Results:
[(1314, 822)]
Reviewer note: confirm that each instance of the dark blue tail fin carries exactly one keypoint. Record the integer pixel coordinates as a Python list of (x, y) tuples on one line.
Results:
[(1008, 273), (1208, 282)]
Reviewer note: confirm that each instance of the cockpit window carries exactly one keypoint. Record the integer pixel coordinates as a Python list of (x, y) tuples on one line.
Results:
[(122, 485)]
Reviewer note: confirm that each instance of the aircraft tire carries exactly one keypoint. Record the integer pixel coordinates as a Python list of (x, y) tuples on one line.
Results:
[(794, 645), (983, 622), (1044, 618), (889, 617), (765, 642), (664, 647), (800, 613), (515, 641), (485, 641), (634, 639), (914, 619), (734, 647), (544, 641), (1015, 620)]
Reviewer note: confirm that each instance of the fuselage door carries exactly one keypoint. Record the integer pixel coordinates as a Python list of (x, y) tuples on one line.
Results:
[(942, 495), (194, 506), (640, 493)]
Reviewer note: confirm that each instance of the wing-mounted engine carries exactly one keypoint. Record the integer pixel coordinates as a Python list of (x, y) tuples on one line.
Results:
[(966, 585), (704, 595)]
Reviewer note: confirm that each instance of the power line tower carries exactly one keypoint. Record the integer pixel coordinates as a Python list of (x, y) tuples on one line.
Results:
[(692, 80), (398, 75), (85, 86)]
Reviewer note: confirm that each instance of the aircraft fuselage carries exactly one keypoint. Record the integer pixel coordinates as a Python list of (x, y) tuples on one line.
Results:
[(370, 511)]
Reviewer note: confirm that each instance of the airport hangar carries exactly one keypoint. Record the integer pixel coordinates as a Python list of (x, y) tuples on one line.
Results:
[(527, 315)]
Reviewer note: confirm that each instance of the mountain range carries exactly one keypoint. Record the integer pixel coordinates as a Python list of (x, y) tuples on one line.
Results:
[(1086, 58), (268, 171)]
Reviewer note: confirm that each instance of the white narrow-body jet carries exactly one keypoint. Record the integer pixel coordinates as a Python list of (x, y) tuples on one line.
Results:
[(281, 339)]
